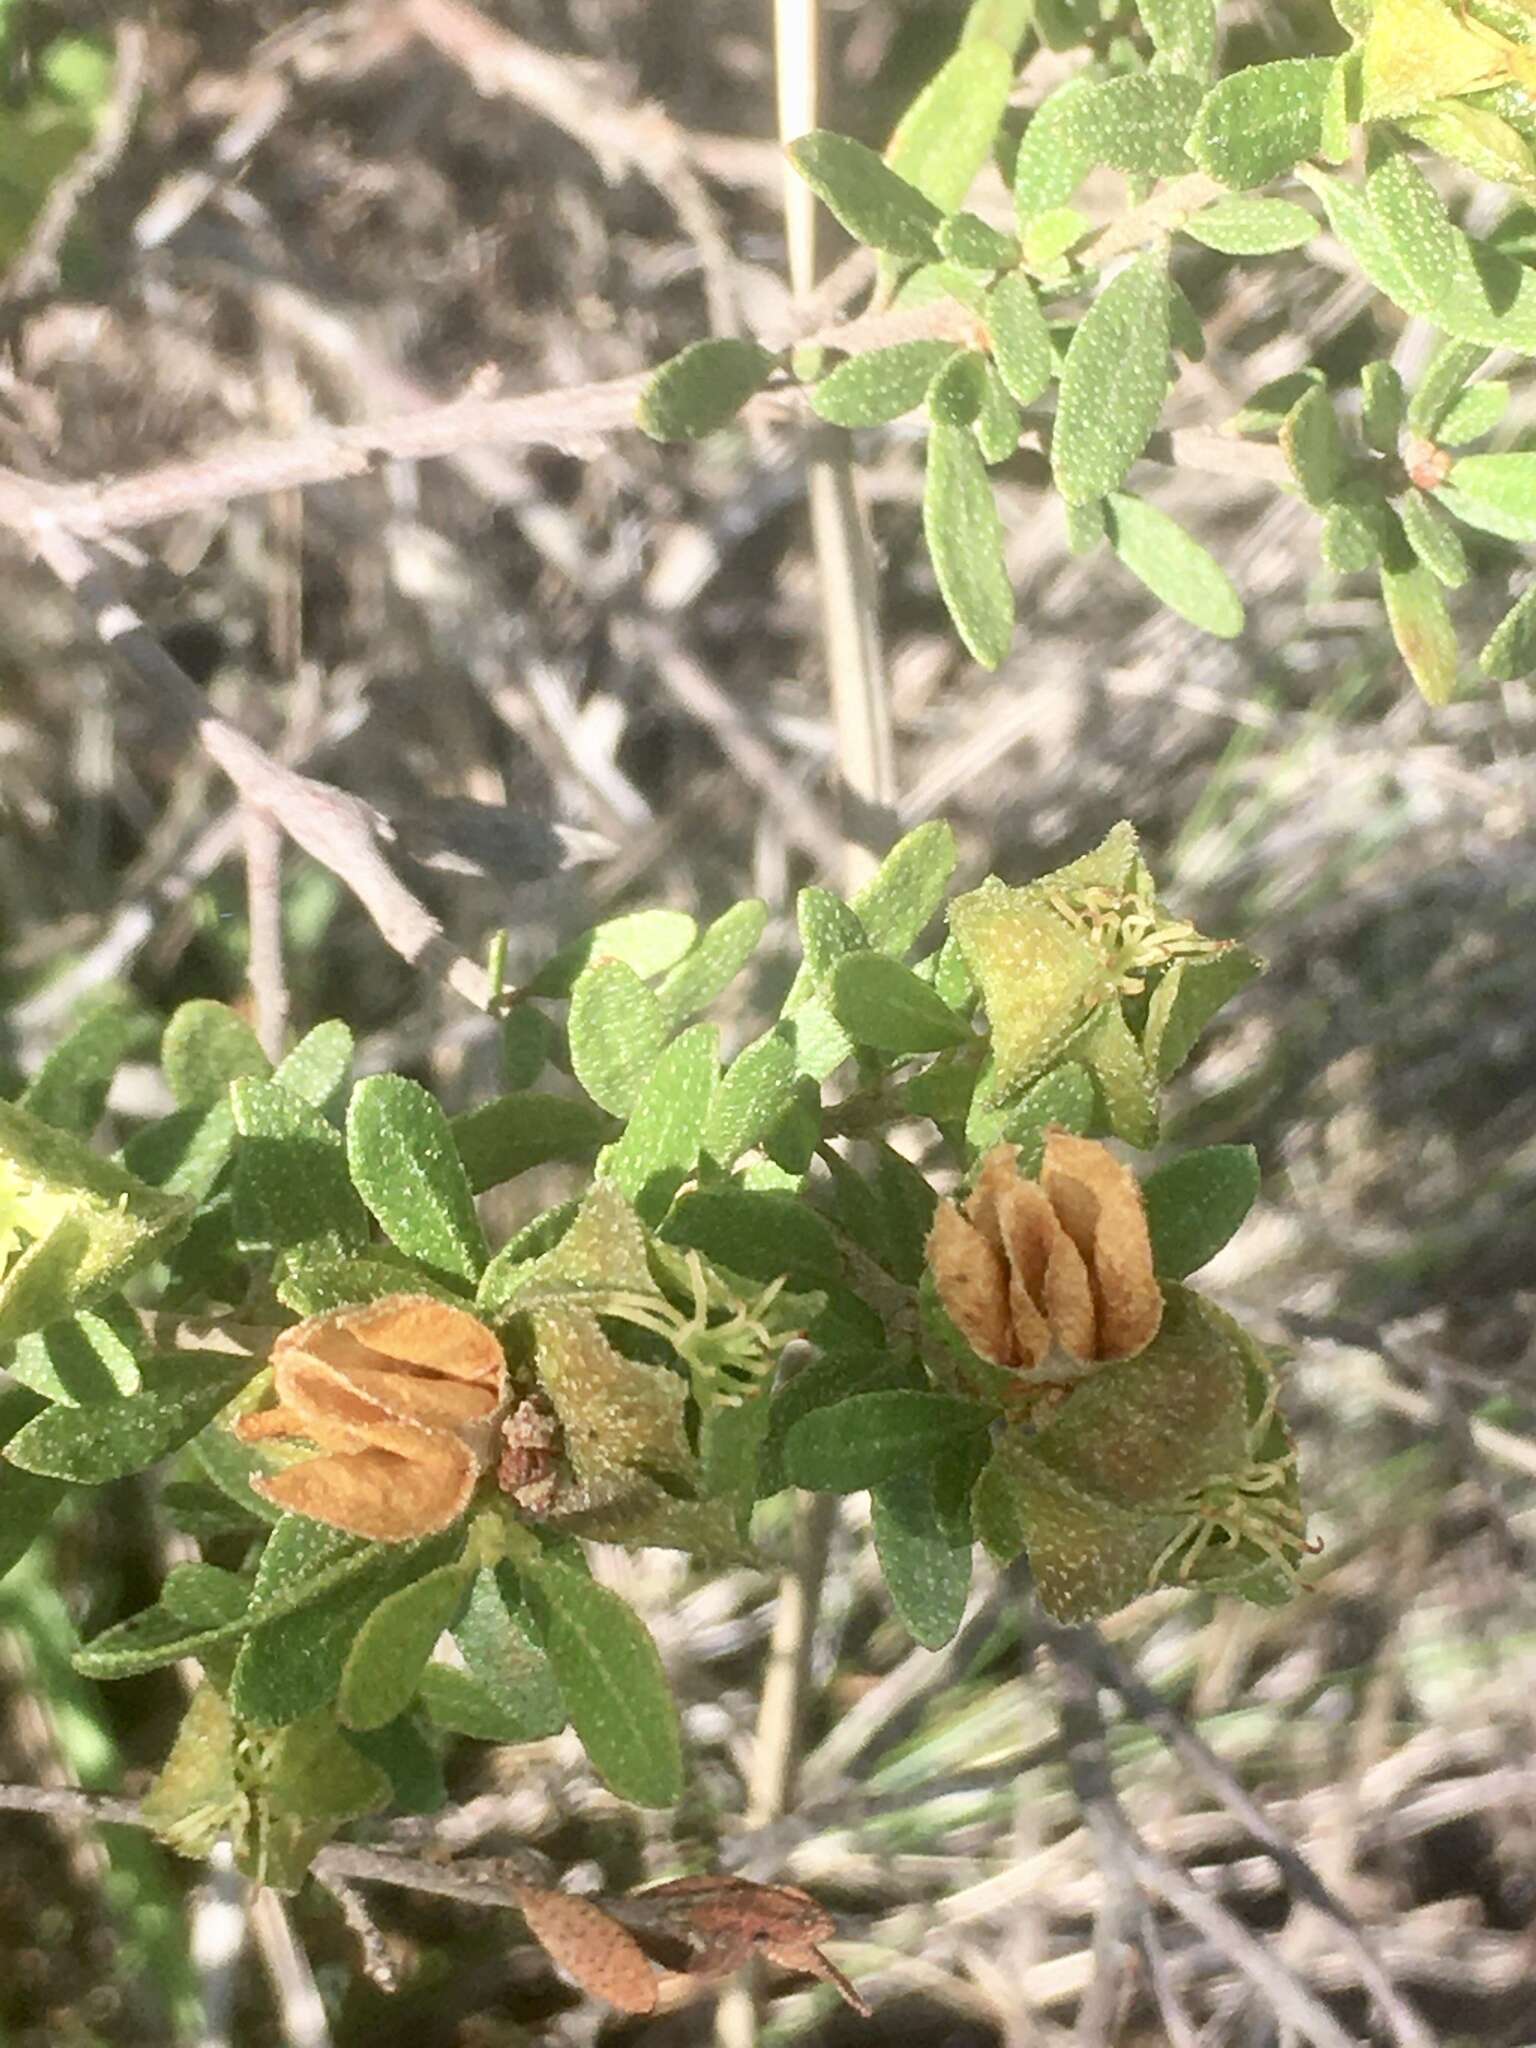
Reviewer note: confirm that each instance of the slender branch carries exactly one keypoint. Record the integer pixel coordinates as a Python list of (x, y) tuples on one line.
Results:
[(331, 825), (264, 919)]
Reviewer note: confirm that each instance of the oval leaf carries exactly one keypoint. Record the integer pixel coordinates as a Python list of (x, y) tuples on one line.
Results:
[(872, 1437), (882, 1004), (1173, 565), (875, 205), (1258, 123), (965, 540), (90, 1445), (703, 389), (880, 385), (405, 1166), (395, 1643), (1113, 382), (1196, 1203), (617, 1029)]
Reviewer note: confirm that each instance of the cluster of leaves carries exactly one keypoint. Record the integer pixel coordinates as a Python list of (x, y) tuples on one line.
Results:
[(719, 1211), (994, 316)]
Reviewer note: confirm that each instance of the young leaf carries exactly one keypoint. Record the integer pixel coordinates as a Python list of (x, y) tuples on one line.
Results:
[(703, 389), (317, 1068), (617, 1029), (1501, 485), (205, 1047), (1184, 32), (946, 135), (612, 1682), (400, 1148), (1433, 539), (966, 239), (874, 204), (69, 1090), (649, 941), (882, 1004), (956, 393), (998, 424), (965, 540), (752, 1094), (504, 1138), (1252, 227), (394, 1644), (1113, 382), (1173, 565), (1383, 404), (1194, 1204), (666, 1131), (1021, 341), (1258, 123), (1422, 627), (906, 890), (292, 1192), (870, 1438), (1314, 448), (1472, 413), (880, 385), (1443, 382), (921, 1521), (89, 1446), (1511, 649)]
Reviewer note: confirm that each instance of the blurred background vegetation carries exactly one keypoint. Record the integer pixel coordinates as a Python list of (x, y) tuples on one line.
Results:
[(314, 215)]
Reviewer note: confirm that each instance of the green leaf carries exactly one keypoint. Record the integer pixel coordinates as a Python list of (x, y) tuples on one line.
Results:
[(1441, 386), (293, 1666), (1433, 539), (882, 1004), (1194, 1204), (1252, 227), (722, 951), (829, 929), (1503, 486), (1472, 413), (527, 1038), (1422, 628), (1265, 411), (1314, 448), (394, 1645), (703, 389), (1021, 341), (292, 1192), (999, 423), (870, 1438), (1184, 32), (906, 890), (1006, 22), (27, 1499), (828, 1380), (755, 1090), (458, 1702), (966, 239), (617, 1029), (946, 135), (1054, 157), (496, 1639), (1363, 235), (1065, 1096), (933, 284), (1259, 123), (80, 1359), (875, 204), (1138, 123), (1383, 405), (880, 385), (205, 1047), (1088, 1555), (504, 1138), (317, 1068), (1185, 1000), (1511, 649), (1113, 382), (612, 1682), (400, 1148), (757, 1234), (1466, 288), (965, 539), (1173, 565), (662, 1143), (184, 1153), (315, 1287), (1358, 529), (88, 1446), (1478, 137), (70, 1088), (921, 1521), (956, 393), (1048, 238), (649, 941)]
